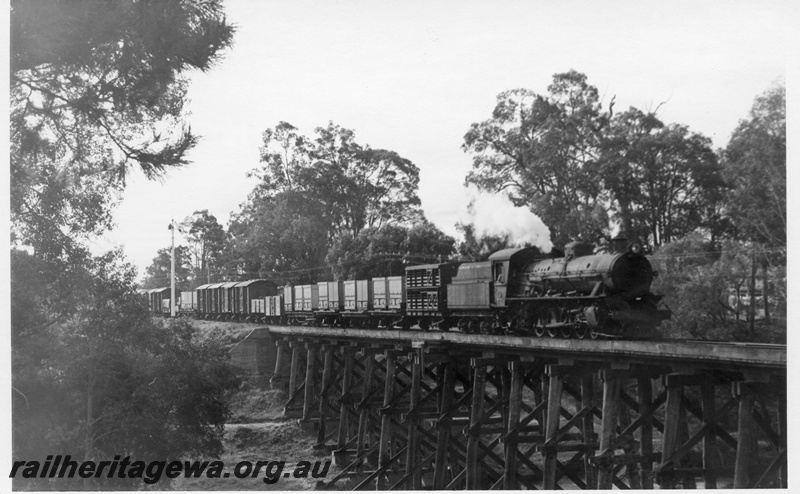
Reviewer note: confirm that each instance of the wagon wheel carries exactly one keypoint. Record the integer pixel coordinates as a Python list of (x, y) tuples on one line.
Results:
[(580, 331), (538, 330)]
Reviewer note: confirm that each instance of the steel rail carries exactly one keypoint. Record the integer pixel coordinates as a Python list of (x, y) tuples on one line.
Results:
[(735, 354)]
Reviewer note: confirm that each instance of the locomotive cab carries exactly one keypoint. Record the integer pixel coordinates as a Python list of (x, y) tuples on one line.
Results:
[(506, 267)]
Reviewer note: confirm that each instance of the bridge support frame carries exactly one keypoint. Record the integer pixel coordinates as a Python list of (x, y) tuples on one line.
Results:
[(426, 416)]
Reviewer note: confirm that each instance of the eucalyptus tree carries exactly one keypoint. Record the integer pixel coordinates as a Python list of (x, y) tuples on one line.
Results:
[(543, 151), (319, 189), (755, 160), (157, 274), (206, 243), (662, 181)]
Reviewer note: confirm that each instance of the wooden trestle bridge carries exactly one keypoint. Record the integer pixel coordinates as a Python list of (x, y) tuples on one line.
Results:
[(432, 410)]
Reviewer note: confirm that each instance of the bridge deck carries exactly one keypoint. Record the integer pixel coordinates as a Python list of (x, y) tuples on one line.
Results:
[(652, 352), (414, 409)]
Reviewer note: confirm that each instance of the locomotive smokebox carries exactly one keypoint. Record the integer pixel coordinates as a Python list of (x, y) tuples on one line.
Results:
[(630, 275)]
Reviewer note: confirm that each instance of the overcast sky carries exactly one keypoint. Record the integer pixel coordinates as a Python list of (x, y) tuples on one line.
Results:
[(411, 76)]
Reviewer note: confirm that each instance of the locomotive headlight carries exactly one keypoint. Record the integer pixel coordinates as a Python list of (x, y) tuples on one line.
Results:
[(636, 248)]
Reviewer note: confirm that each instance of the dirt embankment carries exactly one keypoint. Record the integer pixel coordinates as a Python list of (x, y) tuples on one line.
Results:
[(257, 431), (230, 333)]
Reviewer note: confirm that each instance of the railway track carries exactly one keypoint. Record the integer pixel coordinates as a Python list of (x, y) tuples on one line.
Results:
[(650, 352)]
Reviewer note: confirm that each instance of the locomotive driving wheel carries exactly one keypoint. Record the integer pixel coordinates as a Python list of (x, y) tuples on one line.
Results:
[(571, 326), (539, 323), (553, 319)]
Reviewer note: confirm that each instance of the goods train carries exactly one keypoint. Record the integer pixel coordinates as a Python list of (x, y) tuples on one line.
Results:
[(516, 291)]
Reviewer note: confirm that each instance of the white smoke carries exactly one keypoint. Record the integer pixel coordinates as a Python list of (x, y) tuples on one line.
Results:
[(494, 214)]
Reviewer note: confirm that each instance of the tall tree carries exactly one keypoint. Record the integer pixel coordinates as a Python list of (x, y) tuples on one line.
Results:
[(207, 241), (543, 150), (661, 180), (313, 193), (755, 159), (386, 251), (96, 87), (424, 242), (373, 252), (358, 186), (284, 237), (158, 273)]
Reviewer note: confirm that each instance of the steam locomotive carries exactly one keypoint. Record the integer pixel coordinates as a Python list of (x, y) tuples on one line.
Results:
[(516, 291)]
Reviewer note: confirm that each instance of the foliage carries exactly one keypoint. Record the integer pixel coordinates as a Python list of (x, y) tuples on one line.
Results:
[(387, 251), (207, 242), (284, 234), (543, 150), (755, 158), (660, 179), (424, 242), (95, 376), (357, 186), (315, 194), (158, 273), (582, 169), (95, 88), (479, 248), (706, 290), (755, 161), (373, 252)]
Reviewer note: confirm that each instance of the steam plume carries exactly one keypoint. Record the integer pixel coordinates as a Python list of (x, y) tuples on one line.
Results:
[(493, 214)]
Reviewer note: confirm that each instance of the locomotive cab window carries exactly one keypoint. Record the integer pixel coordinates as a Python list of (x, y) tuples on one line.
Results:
[(499, 275)]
